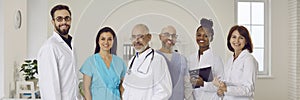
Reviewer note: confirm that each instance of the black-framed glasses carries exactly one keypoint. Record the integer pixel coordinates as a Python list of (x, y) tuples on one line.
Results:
[(167, 34), (60, 19)]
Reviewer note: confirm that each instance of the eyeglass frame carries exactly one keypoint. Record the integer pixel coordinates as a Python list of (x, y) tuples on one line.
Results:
[(167, 34), (138, 36), (60, 19)]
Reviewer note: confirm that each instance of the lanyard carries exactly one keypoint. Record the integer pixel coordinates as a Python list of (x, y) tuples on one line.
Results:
[(129, 70)]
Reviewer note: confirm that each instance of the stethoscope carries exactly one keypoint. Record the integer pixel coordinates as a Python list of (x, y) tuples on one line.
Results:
[(129, 70)]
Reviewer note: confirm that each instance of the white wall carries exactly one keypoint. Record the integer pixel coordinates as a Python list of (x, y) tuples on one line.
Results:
[(15, 42), (122, 15), (37, 26), (1, 49), (276, 88)]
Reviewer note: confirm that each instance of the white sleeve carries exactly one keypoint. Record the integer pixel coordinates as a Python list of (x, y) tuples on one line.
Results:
[(49, 82), (163, 89), (246, 88), (218, 71), (188, 88)]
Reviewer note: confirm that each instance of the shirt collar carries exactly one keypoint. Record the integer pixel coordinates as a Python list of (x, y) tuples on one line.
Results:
[(243, 53), (57, 34), (144, 54), (63, 39), (208, 51)]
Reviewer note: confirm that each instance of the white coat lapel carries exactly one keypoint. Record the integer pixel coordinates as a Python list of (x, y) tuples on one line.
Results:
[(206, 60), (63, 44)]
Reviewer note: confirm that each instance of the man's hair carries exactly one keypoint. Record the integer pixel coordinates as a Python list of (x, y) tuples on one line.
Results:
[(168, 27), (59, 7), (141, 27)]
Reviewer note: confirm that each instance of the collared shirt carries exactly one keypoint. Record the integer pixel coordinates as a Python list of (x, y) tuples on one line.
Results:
[(67, 40)]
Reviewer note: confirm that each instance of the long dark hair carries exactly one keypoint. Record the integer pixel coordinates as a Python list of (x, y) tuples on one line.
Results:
[(245, 33), (104, 29)]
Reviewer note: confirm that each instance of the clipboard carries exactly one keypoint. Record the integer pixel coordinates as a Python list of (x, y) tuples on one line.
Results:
[(204, 73)]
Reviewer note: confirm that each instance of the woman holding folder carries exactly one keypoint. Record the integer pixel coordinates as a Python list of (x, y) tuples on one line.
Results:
[(204, 65)]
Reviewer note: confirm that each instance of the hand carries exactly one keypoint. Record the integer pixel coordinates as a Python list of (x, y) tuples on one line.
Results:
[(222, 88), (216, 82), (199, 82), (193, 81), (220, 93)]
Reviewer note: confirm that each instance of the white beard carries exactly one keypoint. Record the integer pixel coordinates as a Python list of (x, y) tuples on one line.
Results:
[(142, 49)]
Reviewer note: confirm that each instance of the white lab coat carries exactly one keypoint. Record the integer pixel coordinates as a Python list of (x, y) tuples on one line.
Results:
[(57, 70), (208, 91), (240, 76), (148, 80)]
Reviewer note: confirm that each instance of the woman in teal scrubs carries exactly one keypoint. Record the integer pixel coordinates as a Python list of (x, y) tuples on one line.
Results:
[(103, 72)]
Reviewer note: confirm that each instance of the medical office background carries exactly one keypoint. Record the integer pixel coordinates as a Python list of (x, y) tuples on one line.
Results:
[(278, 81)]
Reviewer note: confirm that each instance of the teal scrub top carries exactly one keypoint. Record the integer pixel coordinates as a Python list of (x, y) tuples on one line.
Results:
[(105, 81)]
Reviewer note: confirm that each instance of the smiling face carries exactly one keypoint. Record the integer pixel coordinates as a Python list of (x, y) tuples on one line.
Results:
[(168, 37), (61, 21), (106, 41), (237, 41), (202, 38), (140, 37)]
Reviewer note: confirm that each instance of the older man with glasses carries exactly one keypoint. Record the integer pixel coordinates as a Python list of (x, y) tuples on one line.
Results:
[(57, 70), (148, 76)]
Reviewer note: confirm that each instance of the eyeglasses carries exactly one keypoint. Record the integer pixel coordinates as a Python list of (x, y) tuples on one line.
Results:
[(60, 19), (168, 35), (139, 36)]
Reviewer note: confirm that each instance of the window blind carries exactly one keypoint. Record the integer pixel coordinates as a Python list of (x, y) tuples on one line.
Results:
[(294, 47)]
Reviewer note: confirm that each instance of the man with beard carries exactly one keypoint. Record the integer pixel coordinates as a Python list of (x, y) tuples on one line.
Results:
[(148, 76), (182, 88), (57, 70)]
